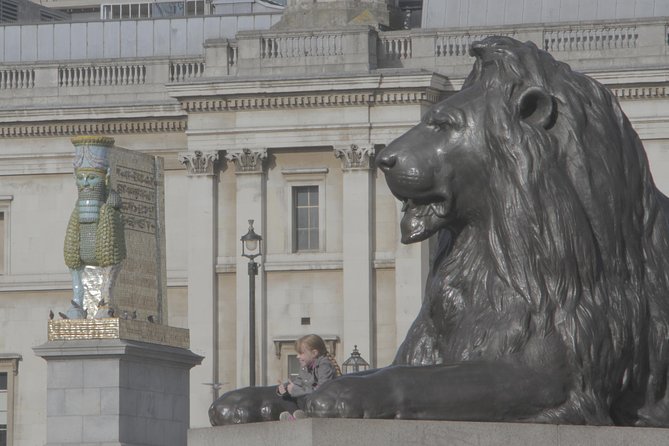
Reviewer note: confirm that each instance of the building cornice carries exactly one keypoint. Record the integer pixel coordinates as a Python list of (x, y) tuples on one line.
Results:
[(72, 121), (36, 113), (319, 100), (635, 84), (336, 91), (92, 127)]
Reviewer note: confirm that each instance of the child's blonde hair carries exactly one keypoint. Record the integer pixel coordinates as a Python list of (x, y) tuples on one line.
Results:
[(315, 342)]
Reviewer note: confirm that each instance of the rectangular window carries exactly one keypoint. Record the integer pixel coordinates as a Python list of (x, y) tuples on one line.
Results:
[(5, 203), (305, 218), (293, 367), (9, 367), (195, 7)]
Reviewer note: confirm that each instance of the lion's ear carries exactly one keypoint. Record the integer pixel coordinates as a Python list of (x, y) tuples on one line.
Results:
[(537, 107)]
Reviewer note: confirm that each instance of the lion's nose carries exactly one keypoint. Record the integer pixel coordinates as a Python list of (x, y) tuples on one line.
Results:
[(386, 161)]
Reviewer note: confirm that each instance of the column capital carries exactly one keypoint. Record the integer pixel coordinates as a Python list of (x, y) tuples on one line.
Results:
[(354, 156), (199, 162), (247, 160)]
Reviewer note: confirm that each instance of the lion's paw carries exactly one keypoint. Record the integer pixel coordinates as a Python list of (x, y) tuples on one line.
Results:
[(337, 399), (246, 405)]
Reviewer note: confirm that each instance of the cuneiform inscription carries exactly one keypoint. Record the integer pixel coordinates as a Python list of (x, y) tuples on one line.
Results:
[(130, 175), (138, 209), (137, 189), (139, 224), (136, 193)]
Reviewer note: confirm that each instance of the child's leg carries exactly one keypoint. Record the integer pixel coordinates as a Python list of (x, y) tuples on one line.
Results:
[(288, 403)]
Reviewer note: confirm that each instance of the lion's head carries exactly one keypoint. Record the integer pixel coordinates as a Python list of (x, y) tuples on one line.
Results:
[(536, 170)]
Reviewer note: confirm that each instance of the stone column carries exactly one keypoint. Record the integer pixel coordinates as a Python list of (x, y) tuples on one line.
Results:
[(412, 265), (357, 241), (251, 199), (202, 281)]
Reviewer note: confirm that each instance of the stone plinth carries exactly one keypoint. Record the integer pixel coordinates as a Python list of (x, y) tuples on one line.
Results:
[(342, 432), (116, 392)]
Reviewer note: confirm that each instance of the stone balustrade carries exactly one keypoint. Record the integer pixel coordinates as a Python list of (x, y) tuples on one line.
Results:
[(17, 78), (101, 75), (586, 46), (591, 38), (185, 70), (396, 46), (99, 81), (301, 45)]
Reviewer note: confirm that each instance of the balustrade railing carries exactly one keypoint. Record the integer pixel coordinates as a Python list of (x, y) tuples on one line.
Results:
[(586, 39), (398, 48), (17, 78), (435, 49), (448, 45), (277, 47), (185, 70), (101, 75)]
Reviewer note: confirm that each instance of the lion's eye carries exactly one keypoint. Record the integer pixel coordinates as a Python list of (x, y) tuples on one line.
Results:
[(452, 119)]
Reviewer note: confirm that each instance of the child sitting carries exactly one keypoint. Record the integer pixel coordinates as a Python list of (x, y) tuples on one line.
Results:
[(317, 366)]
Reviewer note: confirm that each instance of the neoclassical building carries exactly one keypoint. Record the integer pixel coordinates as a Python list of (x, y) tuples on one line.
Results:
[(259, 120)]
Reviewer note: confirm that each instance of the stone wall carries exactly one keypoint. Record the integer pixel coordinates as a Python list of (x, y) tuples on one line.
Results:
[(456, 13)]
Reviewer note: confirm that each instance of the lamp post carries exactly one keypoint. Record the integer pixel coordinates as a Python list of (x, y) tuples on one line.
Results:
[(355, 363), (252, 248)]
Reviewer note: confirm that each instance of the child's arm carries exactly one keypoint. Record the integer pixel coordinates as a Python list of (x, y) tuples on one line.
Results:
[(282, 388), (326, 371), (298, 387)]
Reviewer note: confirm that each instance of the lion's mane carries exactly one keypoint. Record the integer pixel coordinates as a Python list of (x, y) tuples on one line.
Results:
[(577, 230)]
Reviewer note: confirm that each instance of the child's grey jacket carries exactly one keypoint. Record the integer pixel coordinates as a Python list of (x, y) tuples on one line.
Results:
[(309, 379)]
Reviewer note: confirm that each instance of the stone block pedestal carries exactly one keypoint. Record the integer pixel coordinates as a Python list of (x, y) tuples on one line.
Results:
[(343, 432), (116, 392)]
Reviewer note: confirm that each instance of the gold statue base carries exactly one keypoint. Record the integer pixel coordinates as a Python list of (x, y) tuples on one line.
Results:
[(117, 328)]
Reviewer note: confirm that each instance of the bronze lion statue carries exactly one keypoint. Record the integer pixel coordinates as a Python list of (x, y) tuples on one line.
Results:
[(548, 299)]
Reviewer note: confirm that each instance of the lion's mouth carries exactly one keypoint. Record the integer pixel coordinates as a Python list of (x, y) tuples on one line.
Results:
[(421, 220), (424, 210)]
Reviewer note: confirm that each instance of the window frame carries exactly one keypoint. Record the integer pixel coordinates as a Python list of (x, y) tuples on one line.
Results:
[(295, 208), (5, 204), (302, 178), (9, 363)]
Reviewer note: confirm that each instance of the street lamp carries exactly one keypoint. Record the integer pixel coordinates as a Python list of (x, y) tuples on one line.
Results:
[(354, 363), (252, 248)]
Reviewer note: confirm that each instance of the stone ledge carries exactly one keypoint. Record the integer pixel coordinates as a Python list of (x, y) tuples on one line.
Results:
[(116, 348), (340, 432)]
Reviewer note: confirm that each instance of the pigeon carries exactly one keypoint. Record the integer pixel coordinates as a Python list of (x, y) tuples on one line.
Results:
[(50, 314)]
